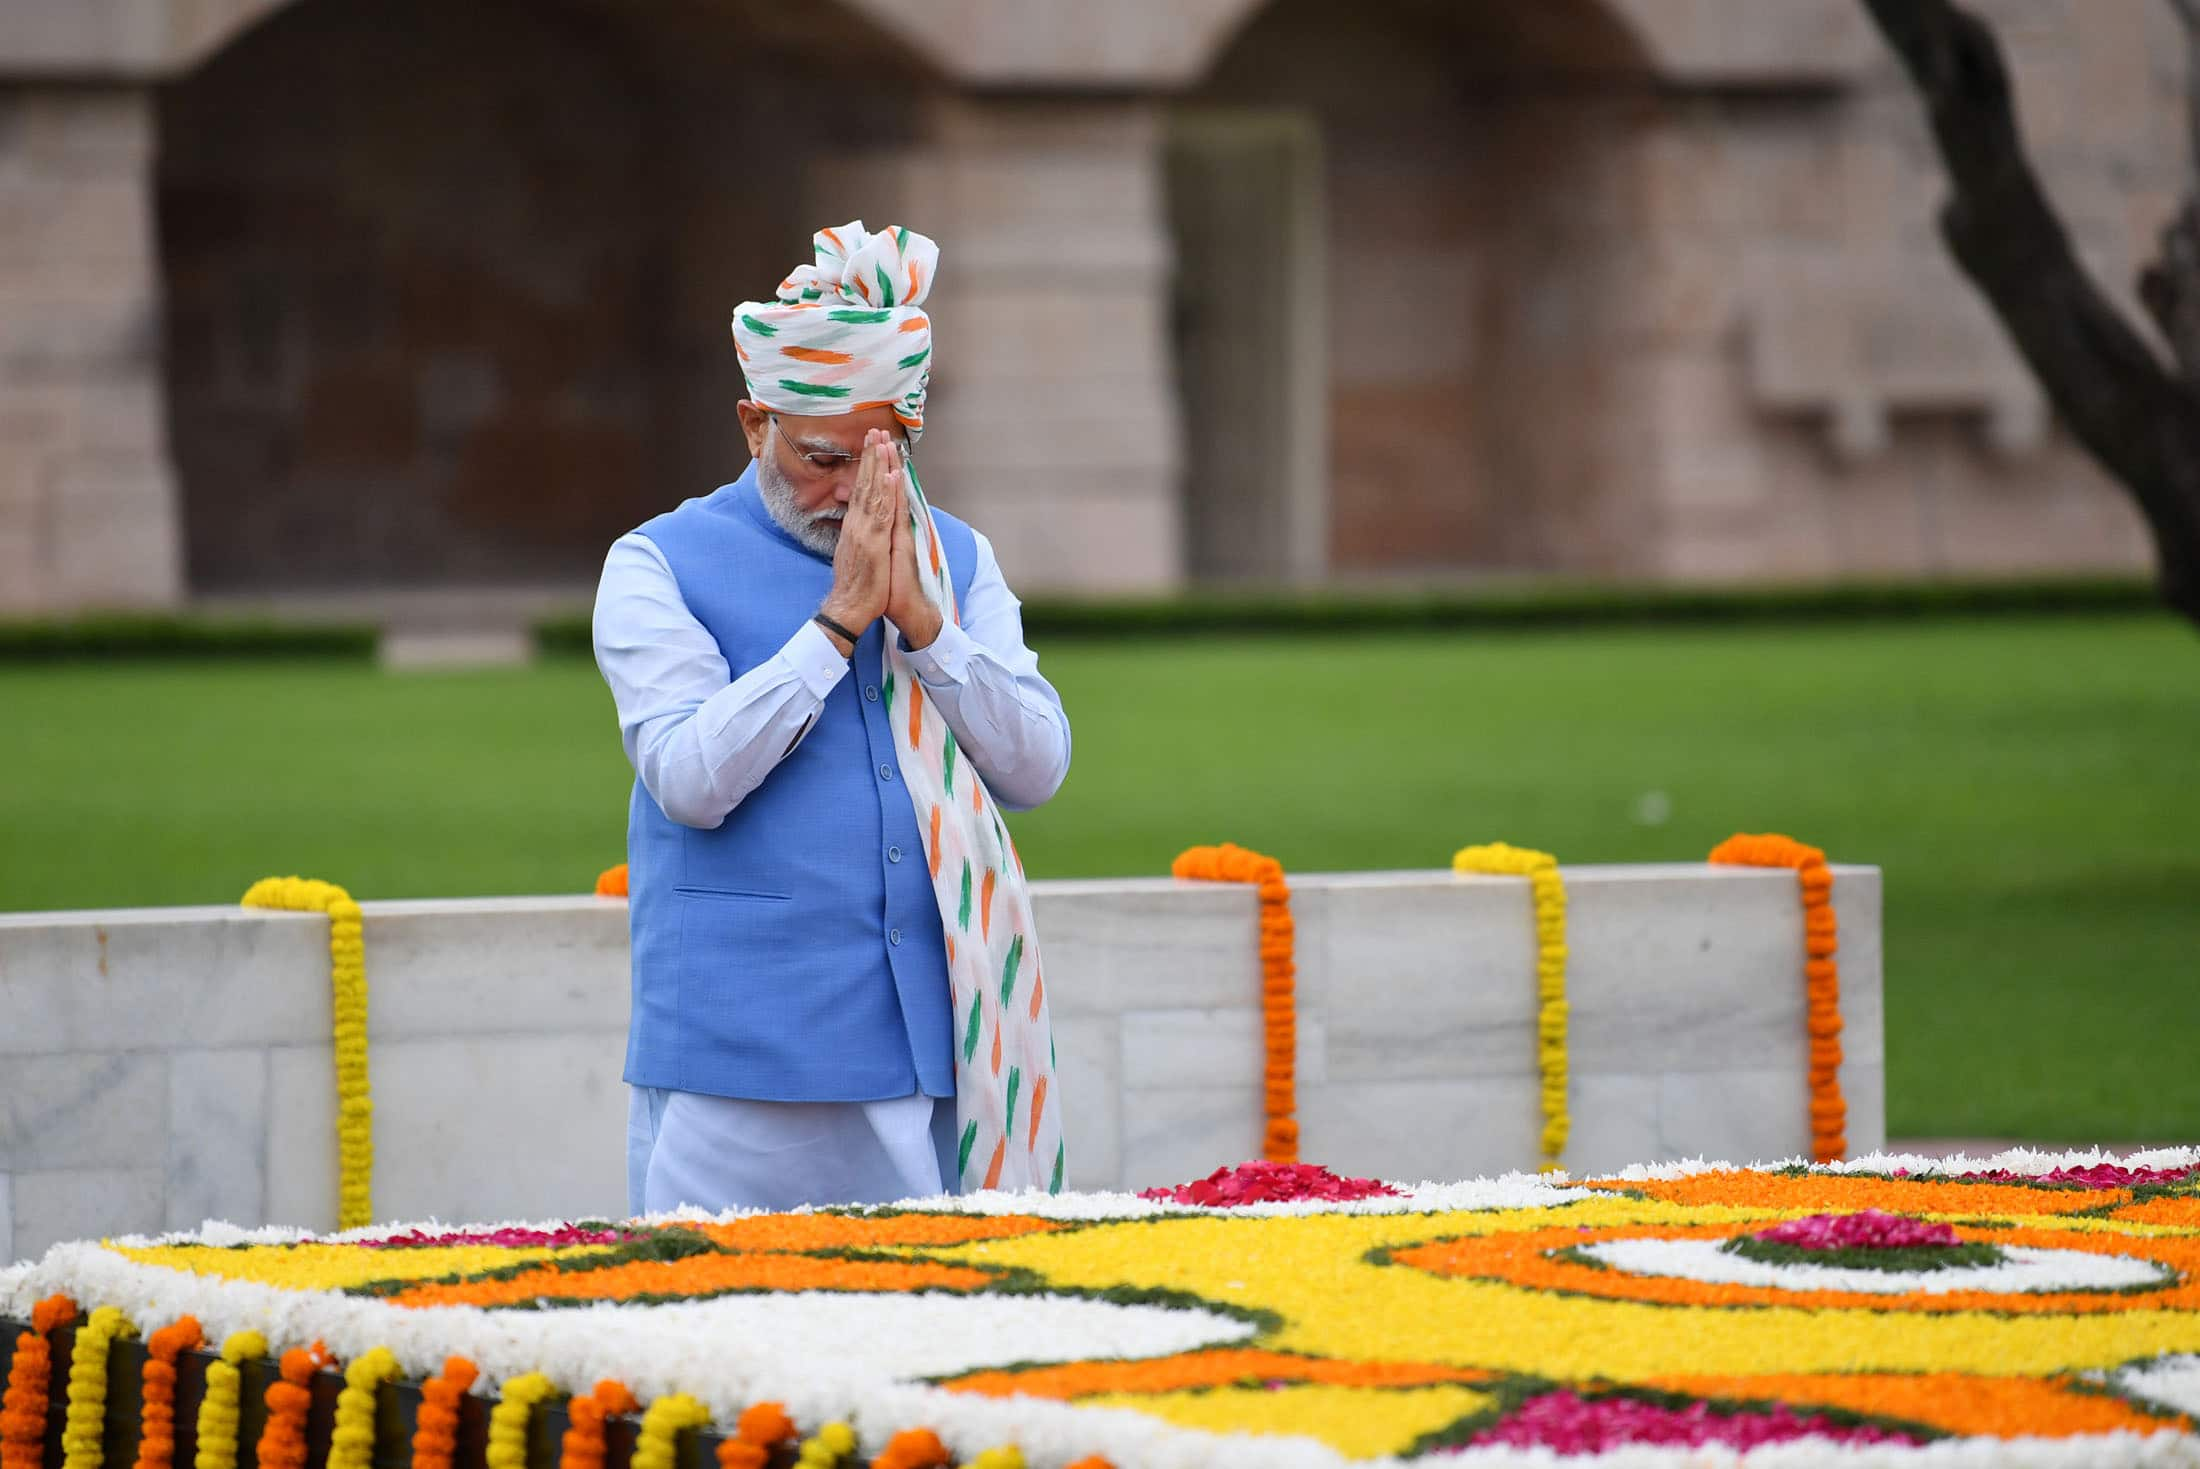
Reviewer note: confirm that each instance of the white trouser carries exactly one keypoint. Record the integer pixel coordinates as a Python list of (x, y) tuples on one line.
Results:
[(726, 1153)]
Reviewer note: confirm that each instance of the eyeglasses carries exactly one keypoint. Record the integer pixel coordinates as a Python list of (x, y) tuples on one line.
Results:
[(825, 463)]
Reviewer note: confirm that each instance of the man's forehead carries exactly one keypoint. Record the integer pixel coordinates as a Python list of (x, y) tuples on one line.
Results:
[(848, 441), (841, 434)]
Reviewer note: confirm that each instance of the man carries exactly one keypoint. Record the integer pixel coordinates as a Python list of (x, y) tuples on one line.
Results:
[(823, 688)]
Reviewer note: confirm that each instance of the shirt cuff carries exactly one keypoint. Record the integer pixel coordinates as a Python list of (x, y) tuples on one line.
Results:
[(815, 659), (945, 660)]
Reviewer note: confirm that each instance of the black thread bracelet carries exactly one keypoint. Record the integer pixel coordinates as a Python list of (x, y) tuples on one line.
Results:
[(835, 628)]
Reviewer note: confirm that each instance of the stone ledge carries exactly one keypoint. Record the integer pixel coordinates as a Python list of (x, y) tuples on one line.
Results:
[(497, 1032)]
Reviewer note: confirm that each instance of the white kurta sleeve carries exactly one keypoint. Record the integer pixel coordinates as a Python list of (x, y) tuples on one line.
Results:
[(699, 738)]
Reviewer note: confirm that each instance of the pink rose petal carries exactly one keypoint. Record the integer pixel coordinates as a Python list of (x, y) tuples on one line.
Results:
[(1269, 1183), (1868, 1229), (558, 1238), (1569, 1424), (2097, 1175)]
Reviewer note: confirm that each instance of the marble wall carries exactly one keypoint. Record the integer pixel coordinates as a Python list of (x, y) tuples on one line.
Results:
[(159, 1067)]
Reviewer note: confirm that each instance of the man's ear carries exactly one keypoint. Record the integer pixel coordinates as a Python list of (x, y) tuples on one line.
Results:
[(755, 423)]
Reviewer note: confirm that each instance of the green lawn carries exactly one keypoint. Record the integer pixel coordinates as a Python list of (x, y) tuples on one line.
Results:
[(2030, 788)]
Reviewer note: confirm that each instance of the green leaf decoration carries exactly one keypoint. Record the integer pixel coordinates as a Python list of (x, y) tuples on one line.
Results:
[(962, 920), (888, 693), (1008, 970), (948, 778), (970, 1037), (970, 1140), (760, 327), (1015, 1085), (1061, 1153)]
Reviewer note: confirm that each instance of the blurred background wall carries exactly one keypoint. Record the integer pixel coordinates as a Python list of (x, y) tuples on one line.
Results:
[(397, 299)]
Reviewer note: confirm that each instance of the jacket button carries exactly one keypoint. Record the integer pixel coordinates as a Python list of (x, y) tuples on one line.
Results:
[(893, 936), (893, 854), (886, 772), (870, 692)]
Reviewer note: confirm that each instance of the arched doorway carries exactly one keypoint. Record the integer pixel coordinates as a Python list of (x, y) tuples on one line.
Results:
[(1398, 278), (447, 285)]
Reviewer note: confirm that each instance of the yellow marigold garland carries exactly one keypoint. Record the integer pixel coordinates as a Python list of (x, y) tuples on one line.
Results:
[(1829, 1110), (1278, 981), (663, 1421), (217, 1429), (827, 1448), (509, 1419), (347, 948), (84, 1439), (351, 1445), (1549, 891), (1007, 1456)]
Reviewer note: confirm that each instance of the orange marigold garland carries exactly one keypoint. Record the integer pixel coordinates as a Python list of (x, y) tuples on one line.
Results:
[(157, 1392), (583, 1445), (1278, 981), (914, 1448), (611, 882), (30, 1383), (693, 1275), (1829, 1112), (435, 1432), (283, 1440), (759, 1430), (436, 1426)]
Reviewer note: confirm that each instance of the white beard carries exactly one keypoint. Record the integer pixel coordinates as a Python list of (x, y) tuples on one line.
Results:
[(820, 531)]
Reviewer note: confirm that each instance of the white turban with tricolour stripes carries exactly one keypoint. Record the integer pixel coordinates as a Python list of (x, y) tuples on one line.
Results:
[(848, 333)]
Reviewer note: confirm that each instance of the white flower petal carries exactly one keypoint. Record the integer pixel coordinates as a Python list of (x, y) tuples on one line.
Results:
[(2026, 1270)]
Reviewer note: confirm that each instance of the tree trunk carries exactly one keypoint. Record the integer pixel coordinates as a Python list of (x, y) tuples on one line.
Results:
[(2134, 413)]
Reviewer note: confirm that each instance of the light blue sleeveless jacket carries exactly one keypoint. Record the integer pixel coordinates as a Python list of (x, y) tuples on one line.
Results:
[(794, 954)]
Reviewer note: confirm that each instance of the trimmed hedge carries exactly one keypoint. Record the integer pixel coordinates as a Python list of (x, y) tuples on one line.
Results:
[(155, 635), (1576, 605), (1541, 605), (1529, 605)]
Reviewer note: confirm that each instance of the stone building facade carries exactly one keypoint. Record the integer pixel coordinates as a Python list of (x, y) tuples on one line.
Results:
[(375, 295)]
